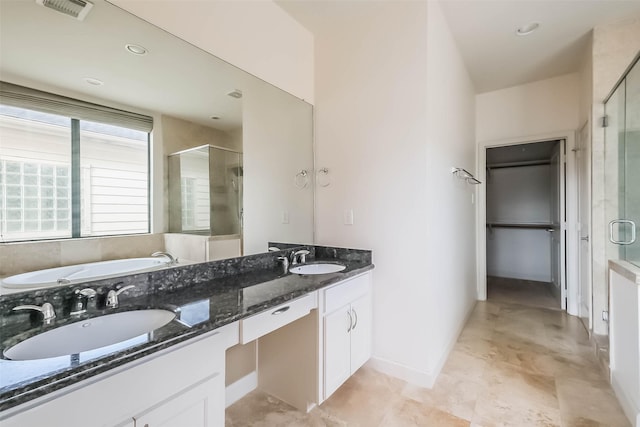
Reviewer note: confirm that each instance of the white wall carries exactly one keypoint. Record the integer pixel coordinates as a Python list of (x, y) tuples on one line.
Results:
[(519, 254), (376, 80), (519, 195), (277, 145), (531, 109), (254, 35), (451, 229)]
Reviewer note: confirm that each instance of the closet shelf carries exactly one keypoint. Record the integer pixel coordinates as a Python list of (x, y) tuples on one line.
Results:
[(527, 225)]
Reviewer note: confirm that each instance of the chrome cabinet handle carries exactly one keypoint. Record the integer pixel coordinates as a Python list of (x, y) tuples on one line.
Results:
[(355, 323), (350, 321), (280, 310), (622, 242)]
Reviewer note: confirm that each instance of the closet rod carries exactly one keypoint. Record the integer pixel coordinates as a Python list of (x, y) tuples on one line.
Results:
[(548, 227), (518, 164)]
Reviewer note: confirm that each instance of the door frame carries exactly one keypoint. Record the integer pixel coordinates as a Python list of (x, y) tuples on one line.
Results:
[(570, 225)]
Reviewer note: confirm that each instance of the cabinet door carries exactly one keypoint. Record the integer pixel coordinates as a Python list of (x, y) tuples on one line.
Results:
[(337, 359), (360, 332), (199, 406)]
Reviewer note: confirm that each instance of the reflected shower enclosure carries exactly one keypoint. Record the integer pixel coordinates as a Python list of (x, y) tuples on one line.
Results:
[(205, 191), (622, 167)]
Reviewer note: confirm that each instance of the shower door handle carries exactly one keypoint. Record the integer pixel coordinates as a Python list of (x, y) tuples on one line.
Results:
[(631, 240)]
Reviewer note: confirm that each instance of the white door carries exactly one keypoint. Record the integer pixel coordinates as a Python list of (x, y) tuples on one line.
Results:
[(583, 158), (337, 349), (557, 221), (360, 332)]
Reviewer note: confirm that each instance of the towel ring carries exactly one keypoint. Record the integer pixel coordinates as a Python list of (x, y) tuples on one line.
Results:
[(301, 180), (323, 179)]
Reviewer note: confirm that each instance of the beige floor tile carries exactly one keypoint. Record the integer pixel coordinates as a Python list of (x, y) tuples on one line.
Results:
[(365, 399), (455, 395), (408, 412), (504, 410), (503, 379), (258, 409), (583, 402)]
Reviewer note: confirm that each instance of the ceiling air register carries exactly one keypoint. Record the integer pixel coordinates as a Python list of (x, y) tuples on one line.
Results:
[(77, 9)]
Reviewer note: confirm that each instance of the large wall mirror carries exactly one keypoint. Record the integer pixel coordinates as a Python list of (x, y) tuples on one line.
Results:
[(113, 58)]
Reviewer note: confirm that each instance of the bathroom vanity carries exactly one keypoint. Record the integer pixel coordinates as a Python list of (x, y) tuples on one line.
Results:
[(313, 332)]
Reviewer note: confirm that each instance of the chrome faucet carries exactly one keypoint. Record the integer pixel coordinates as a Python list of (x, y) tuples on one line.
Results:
[(82, 297), (172, 259), (285, 264), (112, 296), (48, 313), (299, 257)]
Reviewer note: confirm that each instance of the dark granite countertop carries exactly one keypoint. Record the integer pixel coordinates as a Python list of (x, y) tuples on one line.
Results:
[(206, 296)]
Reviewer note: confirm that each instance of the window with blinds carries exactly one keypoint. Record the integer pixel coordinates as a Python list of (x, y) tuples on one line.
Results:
[(70, 172)]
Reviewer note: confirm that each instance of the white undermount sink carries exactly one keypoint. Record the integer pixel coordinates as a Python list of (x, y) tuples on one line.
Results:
[(89, 334), (317, 268)]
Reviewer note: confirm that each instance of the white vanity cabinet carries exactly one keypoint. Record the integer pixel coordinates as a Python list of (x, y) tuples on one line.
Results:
[(346, 325), (180, 386), (199, 406)]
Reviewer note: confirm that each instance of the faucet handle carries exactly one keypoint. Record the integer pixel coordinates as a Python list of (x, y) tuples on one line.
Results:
[(300, 256), (112, 296), (82, 298), (86, 292), (285, 263), (48, 313)]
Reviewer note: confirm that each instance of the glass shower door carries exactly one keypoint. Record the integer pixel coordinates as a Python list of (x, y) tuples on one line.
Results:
[(622, 157)]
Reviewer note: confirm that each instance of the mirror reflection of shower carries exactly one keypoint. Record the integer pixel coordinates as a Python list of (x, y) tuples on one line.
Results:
[(205, 191)]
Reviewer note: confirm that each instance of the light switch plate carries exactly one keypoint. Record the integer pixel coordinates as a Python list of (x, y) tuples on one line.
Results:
[(348, 217)]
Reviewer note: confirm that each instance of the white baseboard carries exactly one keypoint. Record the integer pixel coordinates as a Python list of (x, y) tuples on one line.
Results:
[(630, 408), (241, 388), (413, 376), (405, 373), (452, 342)]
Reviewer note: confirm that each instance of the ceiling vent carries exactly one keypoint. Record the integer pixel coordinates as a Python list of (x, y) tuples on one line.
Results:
[(77, 9)]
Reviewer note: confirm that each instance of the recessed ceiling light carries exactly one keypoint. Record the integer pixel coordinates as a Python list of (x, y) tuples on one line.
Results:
[(136, 49), (527, 29), (93, 82), (236, 93)]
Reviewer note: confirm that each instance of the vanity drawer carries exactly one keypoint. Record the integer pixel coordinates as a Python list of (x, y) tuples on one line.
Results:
[(261, 324), (344, 292)]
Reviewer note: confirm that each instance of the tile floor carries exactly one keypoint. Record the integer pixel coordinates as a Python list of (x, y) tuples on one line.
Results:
[(513, 365), (526, 292)]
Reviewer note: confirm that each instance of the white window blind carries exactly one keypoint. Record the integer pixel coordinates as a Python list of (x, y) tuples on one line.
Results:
[(32, 99)]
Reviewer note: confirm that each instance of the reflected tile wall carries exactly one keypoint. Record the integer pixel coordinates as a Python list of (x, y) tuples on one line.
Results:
[(21, 257)]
